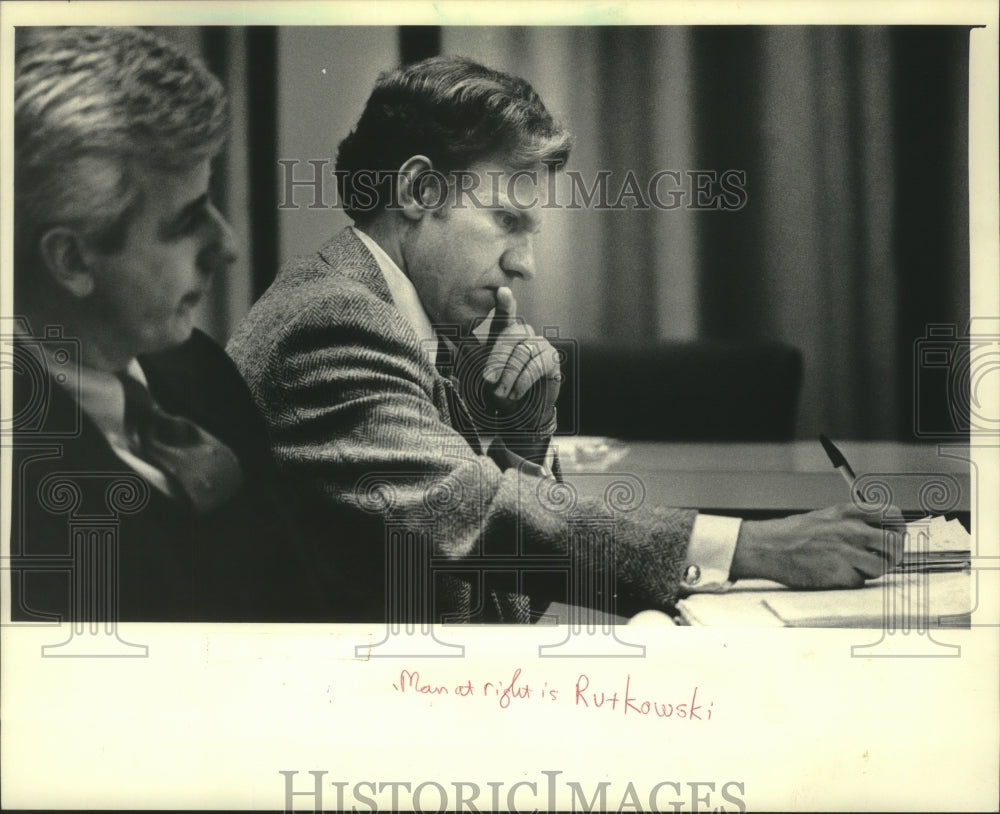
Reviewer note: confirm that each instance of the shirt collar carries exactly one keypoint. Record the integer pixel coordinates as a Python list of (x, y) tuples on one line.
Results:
[(404, 295), (100, 393)]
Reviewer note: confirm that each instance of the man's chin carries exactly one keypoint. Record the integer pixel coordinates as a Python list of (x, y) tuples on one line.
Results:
[(184, 334), (177, 335), (466, 323)]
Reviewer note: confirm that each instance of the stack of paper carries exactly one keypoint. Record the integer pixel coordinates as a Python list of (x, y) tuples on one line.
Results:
[(936, 544), (896, 601)]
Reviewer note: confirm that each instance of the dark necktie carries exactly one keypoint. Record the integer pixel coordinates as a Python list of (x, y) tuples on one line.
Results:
[(200, 467)]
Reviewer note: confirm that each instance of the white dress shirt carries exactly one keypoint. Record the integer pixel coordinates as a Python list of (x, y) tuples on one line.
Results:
[(713, 538), (102, 398)]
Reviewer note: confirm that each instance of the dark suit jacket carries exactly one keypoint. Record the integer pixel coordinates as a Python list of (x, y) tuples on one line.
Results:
[(247, 560)]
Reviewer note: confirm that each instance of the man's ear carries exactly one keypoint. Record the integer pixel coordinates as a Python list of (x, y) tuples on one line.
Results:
[(420, 187), (67, 261)]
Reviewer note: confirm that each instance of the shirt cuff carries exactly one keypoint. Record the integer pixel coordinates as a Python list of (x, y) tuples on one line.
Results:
[(550, 459), (710, 553)]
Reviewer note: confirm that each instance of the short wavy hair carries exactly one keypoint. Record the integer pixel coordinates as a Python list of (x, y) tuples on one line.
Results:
[(89, 103), (456, 112)]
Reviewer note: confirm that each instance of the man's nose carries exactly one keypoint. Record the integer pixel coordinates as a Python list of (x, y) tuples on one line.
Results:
[(228, 248), (519, 260), (222, 250)]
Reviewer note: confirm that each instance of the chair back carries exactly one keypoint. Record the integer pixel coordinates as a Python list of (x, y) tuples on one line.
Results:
[(681, 391)]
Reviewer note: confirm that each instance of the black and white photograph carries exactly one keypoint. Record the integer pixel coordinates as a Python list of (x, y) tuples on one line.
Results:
[(482, 407)]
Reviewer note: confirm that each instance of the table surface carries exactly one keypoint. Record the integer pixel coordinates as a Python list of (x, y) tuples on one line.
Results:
[(792, 476), (947, 601), (897, 600), (759, 479)]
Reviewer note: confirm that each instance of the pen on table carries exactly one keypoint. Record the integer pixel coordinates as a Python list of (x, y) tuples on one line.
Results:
[(840, 464)]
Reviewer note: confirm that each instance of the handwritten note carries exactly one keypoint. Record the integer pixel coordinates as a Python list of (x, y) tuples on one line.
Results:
[(589, 696)]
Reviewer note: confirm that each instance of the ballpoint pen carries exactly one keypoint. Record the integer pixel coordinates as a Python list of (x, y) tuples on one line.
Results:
[(840, 464)]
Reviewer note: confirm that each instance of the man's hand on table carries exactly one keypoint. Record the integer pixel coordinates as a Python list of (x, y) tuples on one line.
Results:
[(837, 547)]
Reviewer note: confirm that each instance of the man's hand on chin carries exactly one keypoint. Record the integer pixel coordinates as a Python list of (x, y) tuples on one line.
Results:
[(521, 376)]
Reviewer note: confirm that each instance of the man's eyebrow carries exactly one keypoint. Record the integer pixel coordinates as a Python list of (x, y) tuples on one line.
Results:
[(529, 220), (188, 210)]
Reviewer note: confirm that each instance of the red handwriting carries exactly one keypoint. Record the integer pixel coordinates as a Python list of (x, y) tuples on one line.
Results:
[(411, 681), (630, 704), (505, 690), (623, 698)]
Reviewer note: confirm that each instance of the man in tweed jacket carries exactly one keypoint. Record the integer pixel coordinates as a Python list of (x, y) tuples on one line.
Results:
[(443, 495)]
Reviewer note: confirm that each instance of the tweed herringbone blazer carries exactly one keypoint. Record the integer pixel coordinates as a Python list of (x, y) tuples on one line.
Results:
[(423, 527)]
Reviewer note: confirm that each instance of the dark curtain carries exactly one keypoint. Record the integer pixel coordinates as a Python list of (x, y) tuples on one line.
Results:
[(853, 240), (854, 237)]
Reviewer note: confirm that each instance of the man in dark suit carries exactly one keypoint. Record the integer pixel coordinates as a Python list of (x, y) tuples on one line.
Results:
[(355, 357), (143, 487)]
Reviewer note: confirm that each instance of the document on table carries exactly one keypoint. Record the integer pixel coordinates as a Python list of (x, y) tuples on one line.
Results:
[(926, 602)]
